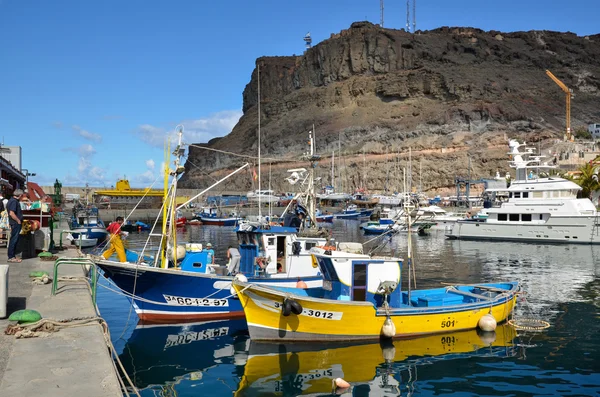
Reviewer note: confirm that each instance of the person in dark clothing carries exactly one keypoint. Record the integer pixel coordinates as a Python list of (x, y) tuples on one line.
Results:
[(15, 218)]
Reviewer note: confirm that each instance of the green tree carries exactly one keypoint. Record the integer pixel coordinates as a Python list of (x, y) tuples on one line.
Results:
[(588, 180)]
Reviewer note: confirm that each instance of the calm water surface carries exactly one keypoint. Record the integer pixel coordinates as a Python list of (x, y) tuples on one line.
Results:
[(217, 358)]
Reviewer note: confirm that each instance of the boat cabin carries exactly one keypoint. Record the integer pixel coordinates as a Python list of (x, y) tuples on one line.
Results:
[(263, 248), (353, 276)]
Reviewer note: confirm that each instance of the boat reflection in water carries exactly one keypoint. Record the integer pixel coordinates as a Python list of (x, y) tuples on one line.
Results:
[(159, 356), (376, 369)]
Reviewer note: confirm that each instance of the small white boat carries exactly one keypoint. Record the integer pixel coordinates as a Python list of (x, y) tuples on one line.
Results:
[(83, 241)]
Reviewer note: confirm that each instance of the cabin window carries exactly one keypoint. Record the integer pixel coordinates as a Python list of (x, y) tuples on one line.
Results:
[(271, 241), (513, 217), (510, 194), (538, 194), (310, 244), (359, 282), (517, 195), (525, 194), (541, 217), (526, 217), (502, 217)]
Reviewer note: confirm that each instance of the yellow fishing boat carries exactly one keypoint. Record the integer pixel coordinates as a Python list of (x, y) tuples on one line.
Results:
[(360, 301), (273, 369)]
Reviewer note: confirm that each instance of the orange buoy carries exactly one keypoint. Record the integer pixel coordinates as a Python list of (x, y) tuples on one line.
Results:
[(339, 383), (301, 284)]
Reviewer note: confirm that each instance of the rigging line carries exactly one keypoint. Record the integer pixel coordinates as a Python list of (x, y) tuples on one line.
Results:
[(202, 171), (244, 155)]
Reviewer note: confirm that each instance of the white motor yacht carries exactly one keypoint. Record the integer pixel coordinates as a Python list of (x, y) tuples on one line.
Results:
[(264, 196), (441, 219), (540, 208)]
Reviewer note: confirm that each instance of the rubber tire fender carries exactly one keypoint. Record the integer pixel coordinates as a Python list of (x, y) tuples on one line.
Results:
[(286, 308), (296, 307)]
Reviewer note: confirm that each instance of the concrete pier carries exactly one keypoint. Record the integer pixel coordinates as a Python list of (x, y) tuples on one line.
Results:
[(70, 362)]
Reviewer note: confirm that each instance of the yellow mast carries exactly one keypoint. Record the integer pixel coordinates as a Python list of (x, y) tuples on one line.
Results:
[(163, 262), (569, 93)]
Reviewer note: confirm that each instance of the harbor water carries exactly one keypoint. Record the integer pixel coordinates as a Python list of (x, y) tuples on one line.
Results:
[(562, 284)]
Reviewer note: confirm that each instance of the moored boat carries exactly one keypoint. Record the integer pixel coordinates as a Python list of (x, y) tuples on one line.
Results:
[(541, 208), (212, 216), (182, 282), (360, 300)]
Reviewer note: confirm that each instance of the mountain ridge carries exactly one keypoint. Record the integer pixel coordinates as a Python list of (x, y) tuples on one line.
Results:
[(377, 90)]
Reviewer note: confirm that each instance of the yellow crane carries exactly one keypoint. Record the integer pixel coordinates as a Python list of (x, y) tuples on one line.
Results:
[(569, 93)]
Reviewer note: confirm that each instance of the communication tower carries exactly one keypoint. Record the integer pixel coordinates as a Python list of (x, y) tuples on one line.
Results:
[(381, 8), (414, 15)]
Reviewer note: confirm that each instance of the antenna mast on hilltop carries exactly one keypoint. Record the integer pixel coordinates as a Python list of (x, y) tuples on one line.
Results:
[(414, 15), (381, 8)]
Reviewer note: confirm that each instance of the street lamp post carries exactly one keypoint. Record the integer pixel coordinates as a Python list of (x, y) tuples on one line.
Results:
[(27, 175)]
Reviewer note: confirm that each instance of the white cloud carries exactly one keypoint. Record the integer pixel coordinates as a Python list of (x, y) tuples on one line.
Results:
[(195, 131), (146, 179), (84, 150), (86, 134), (150, 164), (57, 124)]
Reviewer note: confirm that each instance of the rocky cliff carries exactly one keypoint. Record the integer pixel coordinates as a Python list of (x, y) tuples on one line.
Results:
[(373, 93)]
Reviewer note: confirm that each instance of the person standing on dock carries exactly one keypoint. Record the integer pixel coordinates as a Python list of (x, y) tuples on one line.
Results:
[(233, 254), (116, 243), (15, 218)]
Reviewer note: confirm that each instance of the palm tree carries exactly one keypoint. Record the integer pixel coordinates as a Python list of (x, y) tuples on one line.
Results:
[(588, 180)]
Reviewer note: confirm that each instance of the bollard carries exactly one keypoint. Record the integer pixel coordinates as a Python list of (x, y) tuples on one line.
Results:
[(3, 290)]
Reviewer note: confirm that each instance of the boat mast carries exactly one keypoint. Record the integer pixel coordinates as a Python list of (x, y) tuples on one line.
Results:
[(407, 209), (311, 179), (259, 189), (341, 187), (332, 170), (163, 262)]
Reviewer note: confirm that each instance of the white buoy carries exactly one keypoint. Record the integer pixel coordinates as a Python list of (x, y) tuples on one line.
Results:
[(389, 353), (388, 329), (487, 337), (241, 278), (487, 323)]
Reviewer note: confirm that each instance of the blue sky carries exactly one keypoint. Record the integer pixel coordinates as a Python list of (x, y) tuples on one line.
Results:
[(90, 88)]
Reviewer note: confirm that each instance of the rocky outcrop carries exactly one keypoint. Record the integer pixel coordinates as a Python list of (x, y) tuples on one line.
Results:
[(448, 92)]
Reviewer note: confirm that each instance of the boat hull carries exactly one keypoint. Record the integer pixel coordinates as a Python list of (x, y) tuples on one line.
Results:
[(355, 215), (556, 231), (86, 243), (167, 295), (219, 221), (327, 319), (98, 233)]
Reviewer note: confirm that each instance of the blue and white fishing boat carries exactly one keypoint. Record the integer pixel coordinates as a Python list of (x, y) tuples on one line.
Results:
[(182, 282), (86, 225), (322, 217), (213, 216), (350, 212)]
